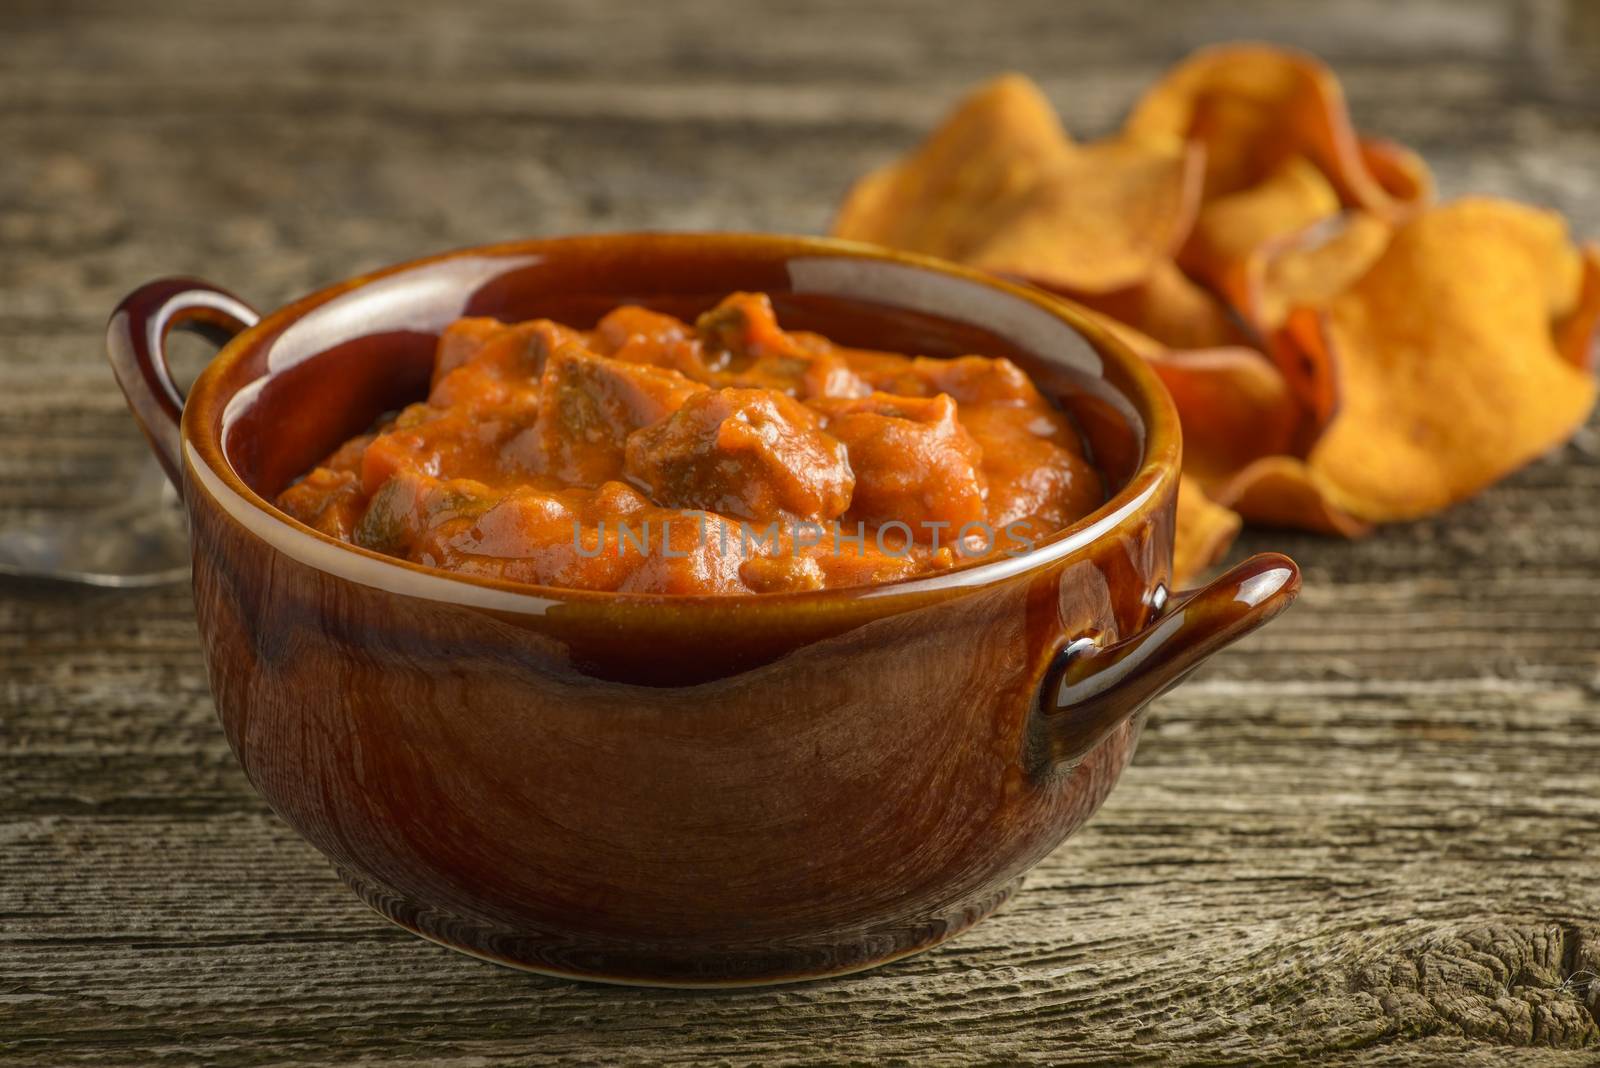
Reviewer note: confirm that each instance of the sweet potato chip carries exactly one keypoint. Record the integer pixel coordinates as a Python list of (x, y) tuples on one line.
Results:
[(1305, 357), (1233, 226), (1575, 334), (1101, 221), (1234, 405), (1233, 402), (1307, 269), (1448, 373), (1408, 356), (1205, 529), (1281, 491), (1403, 173), (1253, 106), (1170, 309), (1002, 187), (945, 199)]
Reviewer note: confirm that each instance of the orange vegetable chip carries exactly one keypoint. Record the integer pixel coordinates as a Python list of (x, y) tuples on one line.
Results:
[(1255, 106), (1001, 186), (944, 200), (1410, 355), (1401, 172), (1233, 402), (1304, 356), (1575, 334), (1309, 268), (1234, 405), (1170, 309), (1103, 220), (1446, 361), (1205, 529), (1233, 226), (1281, 491)]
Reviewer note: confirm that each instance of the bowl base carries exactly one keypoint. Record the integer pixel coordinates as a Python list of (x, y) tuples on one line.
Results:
[(565, 957)]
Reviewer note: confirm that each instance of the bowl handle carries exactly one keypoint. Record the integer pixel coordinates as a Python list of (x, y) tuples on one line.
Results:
[(136, 343), (1091, 689)]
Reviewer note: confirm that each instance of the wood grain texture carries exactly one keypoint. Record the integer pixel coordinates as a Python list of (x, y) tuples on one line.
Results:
[(1371, 835)]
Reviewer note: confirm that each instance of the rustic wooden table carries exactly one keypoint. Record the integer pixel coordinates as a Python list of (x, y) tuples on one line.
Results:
[(1369, 835)]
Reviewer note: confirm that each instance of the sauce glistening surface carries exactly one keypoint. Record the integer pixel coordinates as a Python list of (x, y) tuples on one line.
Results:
[(730, 456)]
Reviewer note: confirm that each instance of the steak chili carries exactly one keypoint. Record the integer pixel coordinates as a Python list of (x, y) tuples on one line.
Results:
[(729, 456)]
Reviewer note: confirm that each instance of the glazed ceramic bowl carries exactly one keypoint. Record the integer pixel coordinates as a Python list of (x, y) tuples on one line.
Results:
[(650, 788)]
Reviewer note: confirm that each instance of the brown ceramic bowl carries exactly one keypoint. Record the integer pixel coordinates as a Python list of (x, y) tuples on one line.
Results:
[(658, 789)]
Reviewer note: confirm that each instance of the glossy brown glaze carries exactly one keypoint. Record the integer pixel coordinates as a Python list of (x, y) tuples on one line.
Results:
[(677, 790)]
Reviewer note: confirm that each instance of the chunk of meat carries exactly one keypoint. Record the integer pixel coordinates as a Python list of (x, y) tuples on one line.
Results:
[(489, 362), (688, 553), (444, 442), (462, 340), (979, 380), (748, 453), (540, 536), (637, 334), (328, 500), (588, 406), (741, 345), (608, 538), (410, 514), (968, 379), (741, 329), (1032, 465), (914, 461), (331, 497)]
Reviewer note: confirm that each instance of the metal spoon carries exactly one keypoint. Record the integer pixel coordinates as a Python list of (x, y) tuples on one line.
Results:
[(141, 540)]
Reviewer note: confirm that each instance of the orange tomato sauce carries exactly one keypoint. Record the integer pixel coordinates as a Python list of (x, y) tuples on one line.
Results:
[(727, 456)]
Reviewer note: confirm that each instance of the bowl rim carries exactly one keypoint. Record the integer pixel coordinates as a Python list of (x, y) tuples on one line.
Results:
[(206, 466)]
